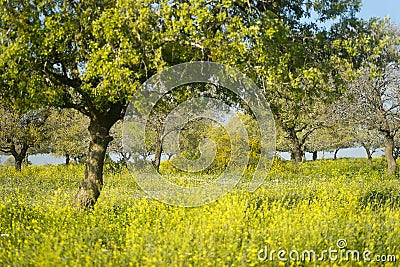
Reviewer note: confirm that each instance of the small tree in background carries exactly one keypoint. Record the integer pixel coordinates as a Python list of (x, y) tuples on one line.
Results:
[(69, 134), (329, 138), (116, 146), (370, 140), (22, 133)]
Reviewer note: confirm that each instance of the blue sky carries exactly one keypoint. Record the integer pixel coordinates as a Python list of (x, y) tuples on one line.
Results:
[(381, 8)]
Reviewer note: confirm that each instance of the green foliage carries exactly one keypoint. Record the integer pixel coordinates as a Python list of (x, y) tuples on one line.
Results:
[(301, 70), (92, 55), (309, 207), (331, 138), (69, 134), (23, 132), (18, 128)]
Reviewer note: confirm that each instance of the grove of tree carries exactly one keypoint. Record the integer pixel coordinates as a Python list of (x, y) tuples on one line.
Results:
[(91, 56)]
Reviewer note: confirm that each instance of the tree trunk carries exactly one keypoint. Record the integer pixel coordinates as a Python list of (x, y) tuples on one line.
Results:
[(297, 155), (297, 151), (67, 159), (19, 156), (369, 155), (391, 162), (335, 154), (18, 164), (157, 155), (323, 154), (314, 155), (91, 185)]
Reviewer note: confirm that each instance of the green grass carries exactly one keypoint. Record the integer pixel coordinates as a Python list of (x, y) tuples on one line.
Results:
[(305, 208)]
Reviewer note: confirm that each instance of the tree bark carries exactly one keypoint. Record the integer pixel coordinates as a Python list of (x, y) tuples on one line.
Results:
[(91, 185), (157, 155), (18, 164), (19, 156), (391, 162), (314, 155), (297, 151), (67, 159), (296, 155)]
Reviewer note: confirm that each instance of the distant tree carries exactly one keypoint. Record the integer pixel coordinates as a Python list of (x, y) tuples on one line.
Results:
[(171, 100), (22, 133), (253, 144), (122, 151), (116, 146), (245, 138), (69, 134), (370, 139), (191, 136), (340, 136), (329, 138)]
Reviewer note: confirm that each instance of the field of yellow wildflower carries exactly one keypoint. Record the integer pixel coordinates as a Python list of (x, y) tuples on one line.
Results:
[(323, 213)]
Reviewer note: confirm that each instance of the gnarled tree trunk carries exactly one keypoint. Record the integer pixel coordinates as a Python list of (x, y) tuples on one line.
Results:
[(18, 164), (391, 162), (91, 185), (297, 155), (297, 147), (19, 156)]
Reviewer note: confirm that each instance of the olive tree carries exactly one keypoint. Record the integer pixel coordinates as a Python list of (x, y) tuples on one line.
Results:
[(92, 55), (22, 132)]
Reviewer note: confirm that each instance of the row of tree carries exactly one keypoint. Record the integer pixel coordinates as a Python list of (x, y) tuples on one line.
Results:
[(91, 56), (64, 133)]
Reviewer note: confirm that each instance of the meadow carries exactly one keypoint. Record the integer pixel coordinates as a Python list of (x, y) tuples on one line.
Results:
[(347, 205)]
